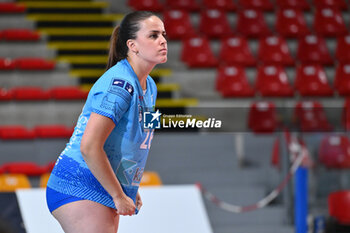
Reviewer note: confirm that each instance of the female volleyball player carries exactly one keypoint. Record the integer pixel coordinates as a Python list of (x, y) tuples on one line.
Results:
[(96, 177)]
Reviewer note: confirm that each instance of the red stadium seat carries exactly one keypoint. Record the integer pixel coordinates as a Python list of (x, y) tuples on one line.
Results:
[(311, 80), (29, 93), (7, 64), (231, 81), (15, 132), (342, 79), (146, 5), (338, 4), (329, 22), (225, 5), (214, 24), (28, 63), (295, 4), (251, 23), (274, 50), (178, 24), (313, 49), (188, 5), (291, 23), (342, 51), (68, 93), (20, 35), (196, 52), (272, 81), (310, 117), (235, 51), (262, 117), (334, 151), (5, 95), (52, 131), (339, 205), (11, 7), (26, 168), (263, 5)]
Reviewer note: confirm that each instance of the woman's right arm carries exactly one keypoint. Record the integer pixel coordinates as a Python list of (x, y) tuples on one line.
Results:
[(96, 133)]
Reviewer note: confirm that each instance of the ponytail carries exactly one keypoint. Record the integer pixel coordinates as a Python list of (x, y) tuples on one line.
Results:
[(127, 29), (113, 53)]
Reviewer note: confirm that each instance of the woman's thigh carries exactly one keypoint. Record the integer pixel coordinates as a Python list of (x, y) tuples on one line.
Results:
[(87, 217)]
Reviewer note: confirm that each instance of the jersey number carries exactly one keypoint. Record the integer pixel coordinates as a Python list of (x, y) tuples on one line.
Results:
[(146, 144)]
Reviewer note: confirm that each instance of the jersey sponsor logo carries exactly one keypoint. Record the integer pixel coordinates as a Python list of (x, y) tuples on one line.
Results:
[(118, 82), (121, 88), (129, 88)]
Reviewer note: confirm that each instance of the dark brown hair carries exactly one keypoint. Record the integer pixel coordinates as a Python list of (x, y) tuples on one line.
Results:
[(127, 29)]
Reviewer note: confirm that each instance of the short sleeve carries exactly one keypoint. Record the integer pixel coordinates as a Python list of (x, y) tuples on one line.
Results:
[(114, 102)]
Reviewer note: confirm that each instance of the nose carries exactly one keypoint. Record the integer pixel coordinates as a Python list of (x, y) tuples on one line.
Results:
[(163, 40)]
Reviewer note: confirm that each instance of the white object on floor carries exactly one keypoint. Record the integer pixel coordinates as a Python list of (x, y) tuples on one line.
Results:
[(169, 208)]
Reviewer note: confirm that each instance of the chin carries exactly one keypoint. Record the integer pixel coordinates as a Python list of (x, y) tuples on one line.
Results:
[(163, 60)]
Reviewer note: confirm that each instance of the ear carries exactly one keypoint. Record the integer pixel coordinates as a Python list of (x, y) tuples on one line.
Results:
[(132, 45)]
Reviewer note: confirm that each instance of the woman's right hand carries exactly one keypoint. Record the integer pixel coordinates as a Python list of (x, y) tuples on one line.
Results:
[(125, 205)]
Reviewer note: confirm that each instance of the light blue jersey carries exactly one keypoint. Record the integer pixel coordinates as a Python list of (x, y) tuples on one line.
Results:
[(117, 95)]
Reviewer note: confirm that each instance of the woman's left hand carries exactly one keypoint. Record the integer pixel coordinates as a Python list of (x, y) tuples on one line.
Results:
[(138, 201)]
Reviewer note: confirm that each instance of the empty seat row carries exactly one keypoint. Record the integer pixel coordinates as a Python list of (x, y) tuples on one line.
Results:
[(333, 151), (272, 81), (19, 34), (231, 5), (14, 175), (26, 63), (19, 132), (309, 116), (12, 7), (251, 23), (196, 52), (26, 168), (37, 93), (10, 182)]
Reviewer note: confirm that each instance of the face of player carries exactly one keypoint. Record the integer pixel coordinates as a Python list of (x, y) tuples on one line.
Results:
[(150, 41)]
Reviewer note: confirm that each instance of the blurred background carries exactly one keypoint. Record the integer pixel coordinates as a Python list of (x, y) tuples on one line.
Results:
[(276, 73)]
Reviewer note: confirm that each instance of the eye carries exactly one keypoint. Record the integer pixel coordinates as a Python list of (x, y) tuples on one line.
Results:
[(154, 36)]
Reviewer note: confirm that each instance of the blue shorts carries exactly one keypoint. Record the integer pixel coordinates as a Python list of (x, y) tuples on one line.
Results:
[(56, 199)]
